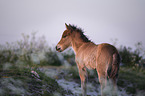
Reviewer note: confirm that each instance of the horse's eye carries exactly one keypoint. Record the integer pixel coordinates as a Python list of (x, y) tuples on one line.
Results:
[(64, 36)]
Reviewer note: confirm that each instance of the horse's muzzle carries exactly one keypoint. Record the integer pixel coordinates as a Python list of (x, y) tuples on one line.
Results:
[(58, 48)]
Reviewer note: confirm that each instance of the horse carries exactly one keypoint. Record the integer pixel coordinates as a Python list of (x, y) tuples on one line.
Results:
[(102, 57)]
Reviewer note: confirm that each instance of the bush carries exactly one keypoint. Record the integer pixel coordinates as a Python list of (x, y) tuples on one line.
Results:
[(132, 58), (30, 52), (70, 57)]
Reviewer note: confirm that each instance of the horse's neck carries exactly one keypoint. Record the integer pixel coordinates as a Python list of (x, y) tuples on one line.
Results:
[(76, 45), (80, 45)]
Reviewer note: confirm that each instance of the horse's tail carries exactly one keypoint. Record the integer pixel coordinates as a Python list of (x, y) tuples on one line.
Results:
[(113, 69)]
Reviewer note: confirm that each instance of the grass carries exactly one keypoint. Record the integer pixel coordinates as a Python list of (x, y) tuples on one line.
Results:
[(131, 79), (17, 81)]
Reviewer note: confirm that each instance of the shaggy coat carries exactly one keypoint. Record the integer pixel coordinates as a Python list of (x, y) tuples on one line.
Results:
[(102, 57)]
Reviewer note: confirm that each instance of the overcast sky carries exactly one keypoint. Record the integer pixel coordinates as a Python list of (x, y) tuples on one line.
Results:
[(102, 20)]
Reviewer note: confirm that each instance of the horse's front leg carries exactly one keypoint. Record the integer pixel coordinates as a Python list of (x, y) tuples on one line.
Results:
[(83, 77)]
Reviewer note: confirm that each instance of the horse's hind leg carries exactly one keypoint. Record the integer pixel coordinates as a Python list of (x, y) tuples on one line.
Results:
[(114, 87), (103, 82)]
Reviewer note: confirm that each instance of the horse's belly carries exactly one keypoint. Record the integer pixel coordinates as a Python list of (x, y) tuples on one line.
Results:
[(90, 65), (90, 61)]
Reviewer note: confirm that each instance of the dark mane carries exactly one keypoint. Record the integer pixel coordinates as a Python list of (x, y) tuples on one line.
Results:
[(84, 37)]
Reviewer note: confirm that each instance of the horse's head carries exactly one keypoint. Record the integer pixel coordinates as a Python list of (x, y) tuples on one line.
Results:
[(65, 41)]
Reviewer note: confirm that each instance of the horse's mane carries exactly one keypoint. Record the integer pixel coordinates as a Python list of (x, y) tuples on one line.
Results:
[(84, 37)]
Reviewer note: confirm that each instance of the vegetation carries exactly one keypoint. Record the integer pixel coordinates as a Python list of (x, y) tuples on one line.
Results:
[(30, 52), (24, 82), (19, 68), (132, 58), (132, 80), (20, 64)]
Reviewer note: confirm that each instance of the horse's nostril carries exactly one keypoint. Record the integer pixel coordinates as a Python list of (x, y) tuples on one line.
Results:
[(58, 48)]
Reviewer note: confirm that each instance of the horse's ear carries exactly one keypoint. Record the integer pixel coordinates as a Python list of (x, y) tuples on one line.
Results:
[(67, 27)]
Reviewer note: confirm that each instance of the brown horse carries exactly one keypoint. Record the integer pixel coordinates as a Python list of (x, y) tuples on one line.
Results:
[(102, 57)]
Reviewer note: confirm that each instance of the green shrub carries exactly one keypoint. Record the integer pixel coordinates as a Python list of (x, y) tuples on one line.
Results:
[(70, 57), (29, 51), (132, 58)]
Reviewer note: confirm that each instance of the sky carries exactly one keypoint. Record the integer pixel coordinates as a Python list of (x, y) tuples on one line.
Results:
[(103, 21)]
